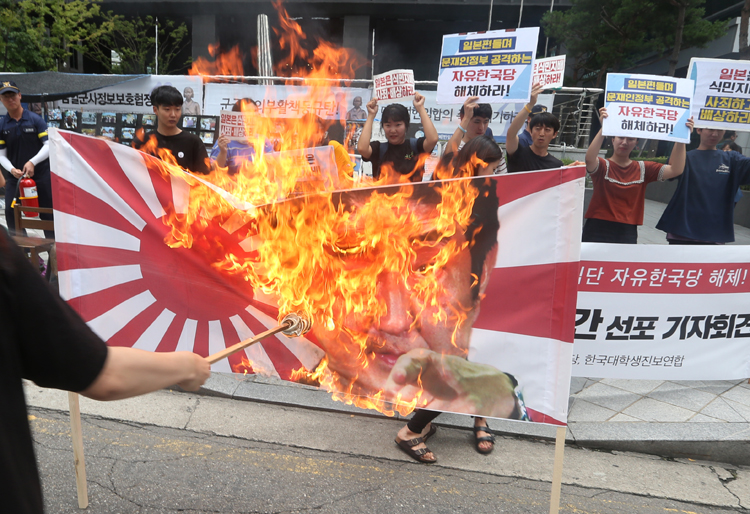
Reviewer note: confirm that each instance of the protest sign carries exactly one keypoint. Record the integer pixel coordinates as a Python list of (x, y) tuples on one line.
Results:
[(663, 312), (647, 106), (237, 126), (549, 72), (722, 93), (134, 95), (288, 101), (496, 66), (395, 85), (133, 289)]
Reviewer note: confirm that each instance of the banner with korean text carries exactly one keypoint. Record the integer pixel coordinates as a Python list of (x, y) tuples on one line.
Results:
[(496, 66), (134, 95), (549, 72), (394, 85), (663, 312), (648, 106), (722, 93)]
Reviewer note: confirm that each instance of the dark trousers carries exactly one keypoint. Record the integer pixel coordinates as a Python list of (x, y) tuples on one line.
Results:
[(421, 418), (43, 189), (604, 231)]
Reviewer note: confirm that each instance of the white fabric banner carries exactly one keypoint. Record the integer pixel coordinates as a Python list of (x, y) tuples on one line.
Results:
[(663, 312), (648, 106), (722, 93), (134, 95), (496, 66), (288, 101), (549, 72)]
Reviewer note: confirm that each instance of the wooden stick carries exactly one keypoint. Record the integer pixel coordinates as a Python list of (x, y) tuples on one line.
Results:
[(77, 436), (554, 503), (247, 342)]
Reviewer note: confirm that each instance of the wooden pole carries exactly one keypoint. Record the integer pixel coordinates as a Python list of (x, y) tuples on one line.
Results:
[(77, 436), (216, 357), (554, 503)]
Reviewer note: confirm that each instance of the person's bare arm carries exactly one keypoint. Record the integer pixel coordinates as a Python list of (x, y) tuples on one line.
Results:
[(592, 154), (221, 158), (677, 159), (131, 372), (463, 126), (363, 143), (511, 139), (430, 132)]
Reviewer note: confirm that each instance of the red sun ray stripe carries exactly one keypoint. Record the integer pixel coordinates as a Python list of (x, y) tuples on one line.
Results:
[(94, 305), (137, 325), (517, 185), (283, 360)]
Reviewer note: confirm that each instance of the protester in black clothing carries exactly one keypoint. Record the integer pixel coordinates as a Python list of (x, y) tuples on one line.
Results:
[(400, 155), (187, 149), (543, 127), (63, 353)]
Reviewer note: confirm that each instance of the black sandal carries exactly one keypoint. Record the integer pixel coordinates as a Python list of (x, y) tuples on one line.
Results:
[(489, 438), (408, 448)]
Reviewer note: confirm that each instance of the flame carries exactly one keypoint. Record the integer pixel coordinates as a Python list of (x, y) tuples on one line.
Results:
[(323, 252)]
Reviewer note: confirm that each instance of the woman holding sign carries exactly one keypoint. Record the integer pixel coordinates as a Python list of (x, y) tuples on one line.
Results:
[(617, 205)]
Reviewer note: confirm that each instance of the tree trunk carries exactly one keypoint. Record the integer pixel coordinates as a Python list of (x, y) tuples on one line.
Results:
[(744, 16), (681, 10)]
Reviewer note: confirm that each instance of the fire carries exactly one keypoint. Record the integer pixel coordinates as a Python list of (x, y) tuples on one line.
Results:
[(324, 251)]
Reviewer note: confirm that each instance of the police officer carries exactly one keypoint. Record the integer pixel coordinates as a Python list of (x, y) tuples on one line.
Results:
[(24, 150)]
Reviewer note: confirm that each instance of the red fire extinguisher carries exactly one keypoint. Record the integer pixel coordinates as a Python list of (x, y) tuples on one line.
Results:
[(29, 197)]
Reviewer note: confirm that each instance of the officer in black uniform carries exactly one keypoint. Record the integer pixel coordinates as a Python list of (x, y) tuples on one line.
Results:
[(24, 150)]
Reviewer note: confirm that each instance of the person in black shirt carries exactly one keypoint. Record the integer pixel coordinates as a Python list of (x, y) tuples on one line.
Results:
[(62, 353), (543, 127), (24, 150), (187, 149), (399, 154)]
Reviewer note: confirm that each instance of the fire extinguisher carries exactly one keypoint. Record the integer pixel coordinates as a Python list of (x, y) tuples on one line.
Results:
[(29, 197)]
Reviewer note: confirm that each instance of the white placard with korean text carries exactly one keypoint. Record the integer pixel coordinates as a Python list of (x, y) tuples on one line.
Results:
[(134, 95), (549, 72), (237, 126), (496, 66), (662, 312), (288, 101), (722, 93), (395, 85), (648, 106)]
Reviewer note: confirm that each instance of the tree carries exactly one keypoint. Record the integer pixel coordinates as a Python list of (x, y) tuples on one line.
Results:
[(134, 41), (744, 16), (611, 35), (39, 35)]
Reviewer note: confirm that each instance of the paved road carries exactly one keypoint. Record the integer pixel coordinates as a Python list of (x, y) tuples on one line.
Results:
[(144, 469)]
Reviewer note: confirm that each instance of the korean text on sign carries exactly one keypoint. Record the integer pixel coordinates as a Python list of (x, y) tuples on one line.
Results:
[(722, 93), (648, 106), (238, 126), (394, 85), (504, 56)]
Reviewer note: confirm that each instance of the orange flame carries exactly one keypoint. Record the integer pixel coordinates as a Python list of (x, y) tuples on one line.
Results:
[(325, 253)]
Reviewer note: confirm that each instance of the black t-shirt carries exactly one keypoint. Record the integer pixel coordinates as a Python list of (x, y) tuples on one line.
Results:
[(524, 159), (23, 139), (43, 340), (187, 148), (402, 158)]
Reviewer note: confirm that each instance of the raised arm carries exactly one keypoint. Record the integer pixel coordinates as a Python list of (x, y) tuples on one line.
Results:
[(677, 159), (511, 139), (430, 132), (463, 125), (363, 143), (592, 154)]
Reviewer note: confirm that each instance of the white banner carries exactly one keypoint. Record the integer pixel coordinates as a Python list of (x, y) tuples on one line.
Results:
[(395, 85), (289, 101), (496, 66), (549, 72), (722, 93), (134, 95), (648, 106), (663, 312)]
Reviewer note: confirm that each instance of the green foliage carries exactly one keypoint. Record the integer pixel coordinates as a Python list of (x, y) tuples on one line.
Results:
[(39, 35), (609, 35), (134, 40)]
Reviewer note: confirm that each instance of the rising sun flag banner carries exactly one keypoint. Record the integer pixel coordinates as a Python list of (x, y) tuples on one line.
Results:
[(456, 295)]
